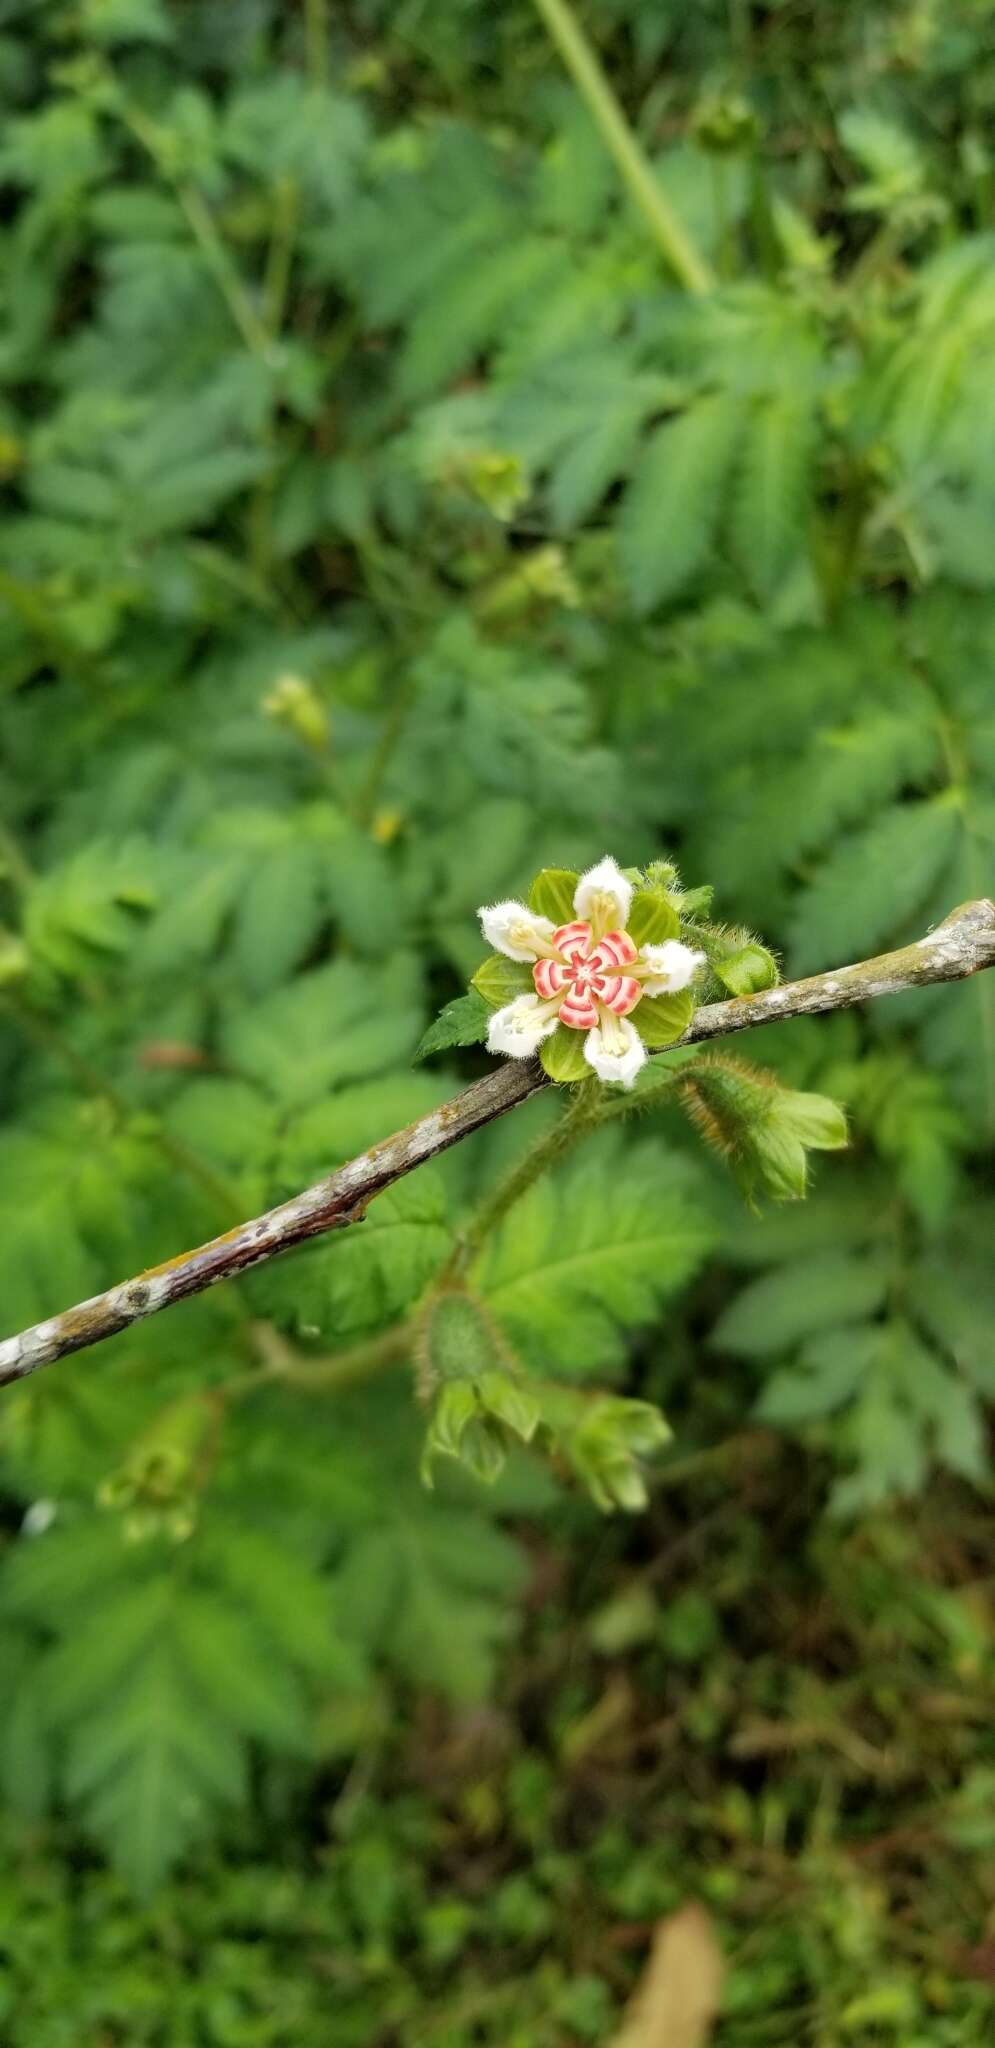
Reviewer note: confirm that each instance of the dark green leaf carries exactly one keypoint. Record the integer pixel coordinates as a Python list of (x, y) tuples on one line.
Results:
[(462, 1022)]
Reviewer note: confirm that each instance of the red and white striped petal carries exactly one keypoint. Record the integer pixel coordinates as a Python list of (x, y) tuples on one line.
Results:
[(616, 949), (619, 992), (572, 940), (579, 1011), (550, 976)]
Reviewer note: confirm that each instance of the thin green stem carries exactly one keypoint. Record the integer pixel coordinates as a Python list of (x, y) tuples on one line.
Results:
[(590, 1106), (316, 40), (390, 734), (882, 248), (634, 167), (13, 862), (720, 209), (282, 1365), (279, 256), (546, 1150), (203, 228)]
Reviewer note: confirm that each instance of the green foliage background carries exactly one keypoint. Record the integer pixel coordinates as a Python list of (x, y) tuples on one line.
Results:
[(381, 521)]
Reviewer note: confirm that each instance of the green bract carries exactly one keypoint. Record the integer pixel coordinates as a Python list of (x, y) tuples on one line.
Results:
[(562, 1056), (552, 894), (498, 980), (653, 917), (661, 1020)]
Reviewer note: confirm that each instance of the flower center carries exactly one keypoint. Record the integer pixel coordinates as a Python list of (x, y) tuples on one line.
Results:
[(585, 979)]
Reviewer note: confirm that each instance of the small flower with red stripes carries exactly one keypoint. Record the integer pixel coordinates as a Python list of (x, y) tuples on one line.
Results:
[(589, 973)]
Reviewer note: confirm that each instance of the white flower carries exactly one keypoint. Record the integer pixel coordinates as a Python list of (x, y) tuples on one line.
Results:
[(614, 1049), (604, 897), (521, 1026), (516, 931), (672, 965), (39, 1517), (587, 974)]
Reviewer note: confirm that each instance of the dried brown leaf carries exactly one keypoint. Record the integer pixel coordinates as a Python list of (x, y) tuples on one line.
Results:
[(677, 1997)]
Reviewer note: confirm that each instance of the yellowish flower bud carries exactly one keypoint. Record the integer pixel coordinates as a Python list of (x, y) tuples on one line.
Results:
[(294, 703)]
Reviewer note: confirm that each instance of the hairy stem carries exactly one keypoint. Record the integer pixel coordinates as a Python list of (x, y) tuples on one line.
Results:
[(634, 167), (962, 945), (579, 1116)]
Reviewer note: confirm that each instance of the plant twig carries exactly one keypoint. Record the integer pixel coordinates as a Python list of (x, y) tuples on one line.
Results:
[(962, 945), (635, 169)]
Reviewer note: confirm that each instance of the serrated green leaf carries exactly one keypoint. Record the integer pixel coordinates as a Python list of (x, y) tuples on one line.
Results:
[(282, 1589), (462, 1022), (371, 1273), (673, 501), (829, 1372), (589, 1251), (327, 1027), (776, 1312), (871, 883), (428, 1590), (228, 1663), (148, 1771), (278, 913), (772, 483)]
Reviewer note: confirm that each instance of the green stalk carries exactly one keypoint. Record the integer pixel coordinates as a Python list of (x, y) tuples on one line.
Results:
[(276, 278), (201, 224), (13, 864), (204, 230), (316, 40), (547, 1148), (282, 1364), (634, 167)]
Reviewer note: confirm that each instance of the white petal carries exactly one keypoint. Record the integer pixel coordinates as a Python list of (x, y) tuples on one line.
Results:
[(673, 967), (521, 1026), (39, 1517), (604, 897), (615, 1050), (513, 929)]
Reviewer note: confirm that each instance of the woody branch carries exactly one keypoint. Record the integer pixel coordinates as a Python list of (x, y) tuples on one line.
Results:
[(962, 945)]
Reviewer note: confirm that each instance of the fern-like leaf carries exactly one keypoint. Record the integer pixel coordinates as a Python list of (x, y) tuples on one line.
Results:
[(590, 1251), (672, 504)]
